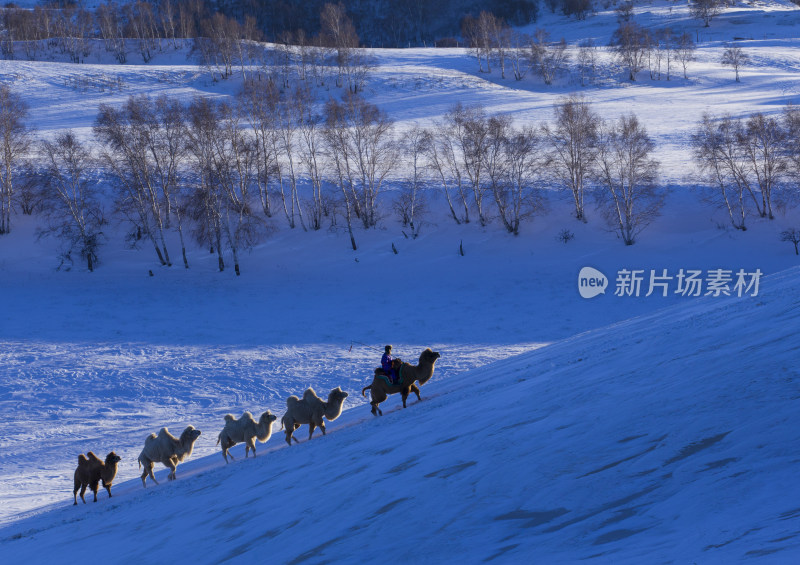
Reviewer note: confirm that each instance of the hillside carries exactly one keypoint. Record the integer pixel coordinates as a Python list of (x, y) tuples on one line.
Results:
[(556, 429), (669, 437)]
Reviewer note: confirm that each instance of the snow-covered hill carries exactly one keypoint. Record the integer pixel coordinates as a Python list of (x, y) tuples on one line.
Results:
[(667, 438), (663, 431)]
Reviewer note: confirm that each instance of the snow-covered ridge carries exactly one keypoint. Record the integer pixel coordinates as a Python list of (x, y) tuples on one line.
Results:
[(666, 438)]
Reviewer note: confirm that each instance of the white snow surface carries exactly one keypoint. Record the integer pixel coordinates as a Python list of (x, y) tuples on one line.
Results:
[(671, 437), (555, 429)]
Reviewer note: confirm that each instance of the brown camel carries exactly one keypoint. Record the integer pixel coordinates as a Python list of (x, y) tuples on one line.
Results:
[(380, 389)]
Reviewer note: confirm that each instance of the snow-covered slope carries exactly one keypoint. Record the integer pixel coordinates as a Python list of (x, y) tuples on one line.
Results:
[(667, 438)]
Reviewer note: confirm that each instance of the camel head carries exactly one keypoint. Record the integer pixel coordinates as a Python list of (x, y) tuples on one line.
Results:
[(425, 367), (428, 356), (337, 395), (112, 458), (190, 435), (267, 417)]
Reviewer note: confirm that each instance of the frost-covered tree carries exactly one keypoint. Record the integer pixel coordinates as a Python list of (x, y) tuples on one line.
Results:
[(257, 102), (684, 49), (630, 43), (628, 174), (706, 10), (311, 153), (223, 162), (548, 57), (126, 135), (764, 143), (587, 60), (469, 127), (791, 125), (360, 140), (410, 202), (792, 235), (444, 158), (735, 57), (15, 143), (722, 160), (70, 201), (572, 140), (513, 160)]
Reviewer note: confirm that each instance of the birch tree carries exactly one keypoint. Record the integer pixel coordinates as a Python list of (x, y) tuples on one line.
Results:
[(525, 159), (572, 139), (764, 142), (415, 143), (127, 138), (722, 161), (71, 202), (443, 156), (628, 175), (15, 144)]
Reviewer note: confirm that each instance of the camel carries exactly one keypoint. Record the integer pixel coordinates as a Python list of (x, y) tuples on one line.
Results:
[(167, 449), (310, 410), (380, 388), (91, 470), (246, 430)]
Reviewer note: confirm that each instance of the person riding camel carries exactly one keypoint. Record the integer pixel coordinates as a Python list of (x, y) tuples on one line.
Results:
[(387, 364)]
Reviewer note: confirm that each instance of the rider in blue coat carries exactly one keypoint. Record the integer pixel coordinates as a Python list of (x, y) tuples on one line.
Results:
[(386, 364)]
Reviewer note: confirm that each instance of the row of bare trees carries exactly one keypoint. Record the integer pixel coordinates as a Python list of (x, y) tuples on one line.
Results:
[(68, 27), (614, 159), (750, 162), (493, 41), (634, 47), (220, 43), (215, 171), (478, 158), (219, 171), (637, 48), (223, 173)]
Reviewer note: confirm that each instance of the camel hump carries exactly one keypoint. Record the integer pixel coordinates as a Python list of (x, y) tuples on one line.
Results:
[(292, 400), (230, 418), (82, 459), (164, 432), (92, 457), (309, 394), (247, 416)]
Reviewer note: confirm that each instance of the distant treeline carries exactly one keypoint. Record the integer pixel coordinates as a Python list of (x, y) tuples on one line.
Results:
[(380, 23), (67, 25)]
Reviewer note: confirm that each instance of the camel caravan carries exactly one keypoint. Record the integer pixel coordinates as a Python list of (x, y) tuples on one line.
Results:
[(392, 377)]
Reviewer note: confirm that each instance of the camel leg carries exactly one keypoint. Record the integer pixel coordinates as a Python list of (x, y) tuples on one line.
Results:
[(251, 444), (415, 390), (93, 486), (108, 488), (289, 433), (83, 491), (311, 427), (75, 492), (322, 427), (171, 464), (150, 472), (404, 393)]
